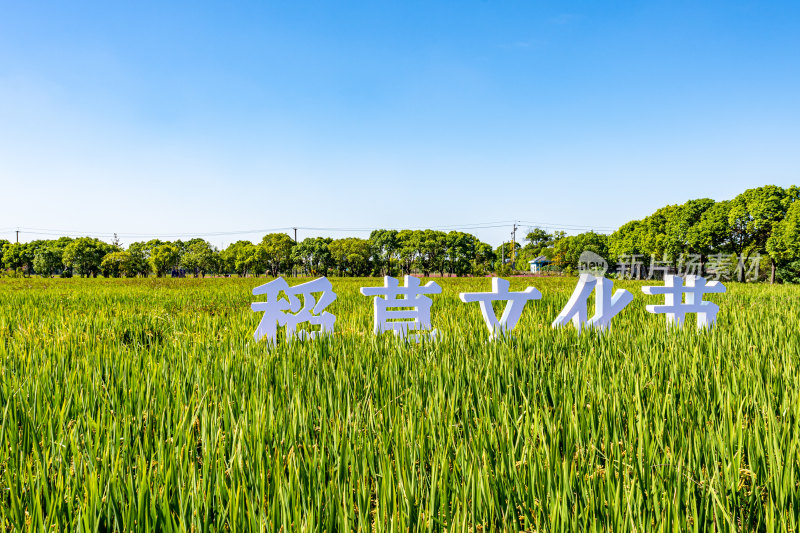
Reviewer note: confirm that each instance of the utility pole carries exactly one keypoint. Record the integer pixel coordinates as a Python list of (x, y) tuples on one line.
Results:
[(514, 246), (294, 274), (17, 235)]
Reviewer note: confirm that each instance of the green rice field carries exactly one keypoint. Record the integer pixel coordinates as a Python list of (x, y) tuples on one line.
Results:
[(145, 404)]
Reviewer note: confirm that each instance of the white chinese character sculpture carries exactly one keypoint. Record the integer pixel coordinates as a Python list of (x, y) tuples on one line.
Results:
[(277, 312), (676, 309), (410, 295), (511, 313), (606, 306)]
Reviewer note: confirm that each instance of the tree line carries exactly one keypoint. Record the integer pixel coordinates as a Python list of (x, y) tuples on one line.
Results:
[(763, 222), (384, 252)]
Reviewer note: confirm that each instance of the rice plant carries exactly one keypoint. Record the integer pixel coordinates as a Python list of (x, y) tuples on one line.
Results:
[(133, 405)]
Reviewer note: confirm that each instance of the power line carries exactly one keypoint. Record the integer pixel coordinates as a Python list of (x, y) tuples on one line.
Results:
[(63, 232), (50, 231), (574, 226), (469, 226)]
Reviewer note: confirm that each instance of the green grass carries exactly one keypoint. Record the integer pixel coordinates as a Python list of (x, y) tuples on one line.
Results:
[(146, 404)]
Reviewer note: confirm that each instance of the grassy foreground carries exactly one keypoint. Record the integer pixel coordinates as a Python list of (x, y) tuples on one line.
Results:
[(146, 405)]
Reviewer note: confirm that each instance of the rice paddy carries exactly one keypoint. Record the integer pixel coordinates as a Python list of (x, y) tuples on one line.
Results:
[(145, 404)]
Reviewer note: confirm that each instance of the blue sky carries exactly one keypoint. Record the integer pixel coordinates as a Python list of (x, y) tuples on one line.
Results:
[(200, 118)]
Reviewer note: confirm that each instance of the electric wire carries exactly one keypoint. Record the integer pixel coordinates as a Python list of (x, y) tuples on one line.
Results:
[(53, 232)]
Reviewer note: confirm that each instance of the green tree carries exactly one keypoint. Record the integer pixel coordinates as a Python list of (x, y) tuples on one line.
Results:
[(244, 257), (653, 236), (484, 258), (247, 258), (752, 216), (408, 249), (258, 261), (433, 252), (18, 256), (712, 233), (163, 258), (3, 244), (385, 245), (625, 241), (351, 256), (567, 250), (696, 227), (313, 255), (679, 227), (537, 237), (646, 237), (48, 256), (237, 257), (140, 258), (277, 249), (84, 255), (48, 260), (540, 242), (198, 257), (783, 244), (118, 263), (461, 252)]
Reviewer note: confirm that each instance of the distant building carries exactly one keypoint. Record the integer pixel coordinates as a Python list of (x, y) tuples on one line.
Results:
[(538, 263)]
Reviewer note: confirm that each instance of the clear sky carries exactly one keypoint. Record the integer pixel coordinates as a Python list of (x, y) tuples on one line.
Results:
[(166, 118)]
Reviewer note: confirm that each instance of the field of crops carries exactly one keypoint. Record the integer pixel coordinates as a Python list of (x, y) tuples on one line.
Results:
[(145, 404)]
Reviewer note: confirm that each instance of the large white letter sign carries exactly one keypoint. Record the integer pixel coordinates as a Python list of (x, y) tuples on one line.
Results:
[(606, 306), (674, 307), (511, 313), (275, 310), (411, 295)]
